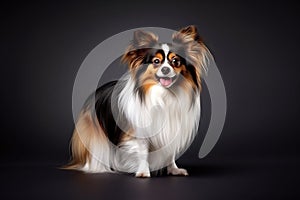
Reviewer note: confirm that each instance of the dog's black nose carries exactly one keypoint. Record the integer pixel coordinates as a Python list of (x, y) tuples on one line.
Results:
[(165, 70)]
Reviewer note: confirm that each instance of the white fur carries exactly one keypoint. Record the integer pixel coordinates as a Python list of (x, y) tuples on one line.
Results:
[(165, 48), (166, 121)]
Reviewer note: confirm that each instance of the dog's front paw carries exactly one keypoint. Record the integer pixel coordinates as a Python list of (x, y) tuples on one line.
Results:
[(143, 174), (178, 171)]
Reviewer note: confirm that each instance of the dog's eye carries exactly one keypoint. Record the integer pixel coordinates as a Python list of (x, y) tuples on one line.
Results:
[(175, 62), (156, 61)]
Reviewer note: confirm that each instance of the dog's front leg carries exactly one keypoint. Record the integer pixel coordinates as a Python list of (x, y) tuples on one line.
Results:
[(132, 157), (143, 165), (174, 170)]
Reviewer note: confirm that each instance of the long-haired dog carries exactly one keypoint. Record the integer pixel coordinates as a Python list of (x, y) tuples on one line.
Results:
[(146, 120)]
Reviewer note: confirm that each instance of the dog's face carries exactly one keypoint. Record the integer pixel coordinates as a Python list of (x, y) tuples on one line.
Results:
[(161, 66), (168, 65)]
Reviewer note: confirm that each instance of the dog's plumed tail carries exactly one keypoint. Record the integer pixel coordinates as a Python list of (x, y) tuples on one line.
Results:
[(90, 147)]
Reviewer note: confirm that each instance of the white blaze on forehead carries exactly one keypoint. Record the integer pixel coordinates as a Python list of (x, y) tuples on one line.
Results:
[(166, 79), (165, 48)]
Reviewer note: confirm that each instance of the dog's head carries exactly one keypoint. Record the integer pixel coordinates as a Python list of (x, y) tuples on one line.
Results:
[(168, 65)]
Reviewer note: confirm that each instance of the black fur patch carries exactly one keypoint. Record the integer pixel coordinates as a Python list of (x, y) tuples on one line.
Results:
[(103, 103)]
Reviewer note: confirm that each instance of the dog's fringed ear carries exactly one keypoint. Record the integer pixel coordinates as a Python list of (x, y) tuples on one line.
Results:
[(142, 39), (196, 53), (187, 34), (137, 50)]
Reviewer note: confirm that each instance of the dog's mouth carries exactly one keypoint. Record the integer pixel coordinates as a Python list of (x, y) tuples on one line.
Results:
[(166, 81)]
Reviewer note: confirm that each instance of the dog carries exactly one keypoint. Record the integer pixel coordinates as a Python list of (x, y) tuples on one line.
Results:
[(148, 118)]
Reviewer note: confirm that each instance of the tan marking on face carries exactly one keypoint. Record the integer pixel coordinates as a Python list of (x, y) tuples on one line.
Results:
[(159, 55), (181, 69), (147, 80), (171, 55)]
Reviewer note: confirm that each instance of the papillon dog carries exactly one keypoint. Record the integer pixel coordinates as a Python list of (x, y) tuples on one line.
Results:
[(147, 119)]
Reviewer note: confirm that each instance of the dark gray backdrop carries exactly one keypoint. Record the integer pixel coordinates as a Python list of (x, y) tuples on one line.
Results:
[(255, 44)]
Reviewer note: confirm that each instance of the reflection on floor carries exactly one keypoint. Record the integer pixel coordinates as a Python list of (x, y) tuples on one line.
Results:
[(227, 179)]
